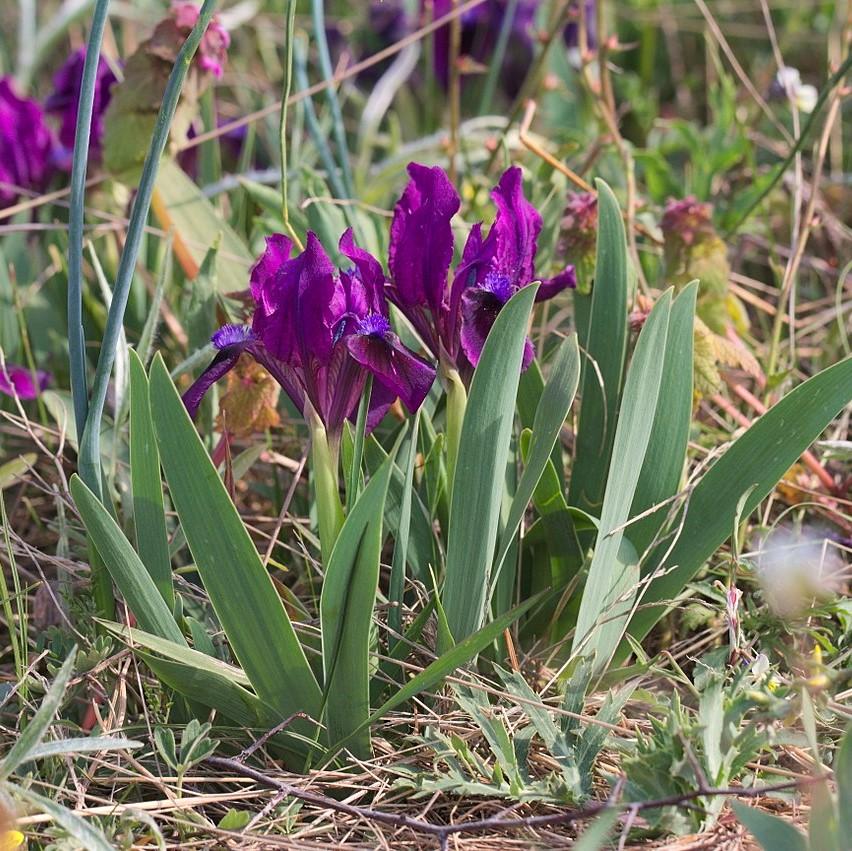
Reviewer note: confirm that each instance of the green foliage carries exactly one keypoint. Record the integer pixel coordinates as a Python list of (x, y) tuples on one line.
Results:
[(828, 826), (508, 770), (479, 474), (709, 745)]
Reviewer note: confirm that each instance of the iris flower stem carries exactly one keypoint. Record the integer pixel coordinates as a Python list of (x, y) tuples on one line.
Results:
[(90, 451), (324, 459), (358, 450), (456, 405)]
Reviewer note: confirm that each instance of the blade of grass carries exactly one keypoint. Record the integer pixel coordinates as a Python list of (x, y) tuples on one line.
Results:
[(346, 614), (396, 587), (338, 127), (76, 217), (552, 409), (124, 565), (241, 591), (89, 461), (666, 455), (149, 516), (602, 327), (34, 732), (481, 467), (757, 460), (606, 604)]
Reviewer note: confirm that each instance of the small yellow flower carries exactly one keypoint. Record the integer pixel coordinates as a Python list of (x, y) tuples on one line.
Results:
[(11, 839)]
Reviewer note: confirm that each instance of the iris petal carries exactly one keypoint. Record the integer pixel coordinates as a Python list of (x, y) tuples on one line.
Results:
[(421, 238), (394, 366)]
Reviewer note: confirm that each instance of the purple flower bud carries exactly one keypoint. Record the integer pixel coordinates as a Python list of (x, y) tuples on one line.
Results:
[(64, 100), (213, 50), (686, 222), (25, 145), (18, 381)]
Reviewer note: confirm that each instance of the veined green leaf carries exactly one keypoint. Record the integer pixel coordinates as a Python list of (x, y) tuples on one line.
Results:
[(95, 744), (124, 565), (210, 682), (614, 571), (602, 326), (757, 460), (346, 613), (481, 467), (149, 516), (666, 453), (552, 408), (76, 826), (240, 589)]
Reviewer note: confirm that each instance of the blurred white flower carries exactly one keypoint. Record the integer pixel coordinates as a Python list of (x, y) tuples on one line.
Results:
[(796, 565), (788, 81)]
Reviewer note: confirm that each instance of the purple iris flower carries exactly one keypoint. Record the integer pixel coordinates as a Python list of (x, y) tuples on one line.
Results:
[(319, 332), (64, 99), (25, 145), (18, 381), (454, 323)]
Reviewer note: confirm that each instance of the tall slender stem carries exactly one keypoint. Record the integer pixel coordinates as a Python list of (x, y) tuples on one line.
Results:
[(90, 450), (282, 123), (76, 336), (318, 15)]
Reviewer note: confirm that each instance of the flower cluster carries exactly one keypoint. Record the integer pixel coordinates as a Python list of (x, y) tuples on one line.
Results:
[(213, 49), (64, 99), (25, 145), (318, 331), (454, 321)]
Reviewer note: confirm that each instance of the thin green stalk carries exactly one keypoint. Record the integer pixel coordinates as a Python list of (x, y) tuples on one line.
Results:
[(27, 29), (89, 460), (318, 15), (358, 450), (282, 123), (324, 462), (836, 78), (76, 337), (456, 405), (497, 60), (17, 637), (396, 588), (314, 128)]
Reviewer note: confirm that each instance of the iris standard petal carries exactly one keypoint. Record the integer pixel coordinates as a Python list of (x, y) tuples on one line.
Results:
[(421, 238), (517, 227)]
